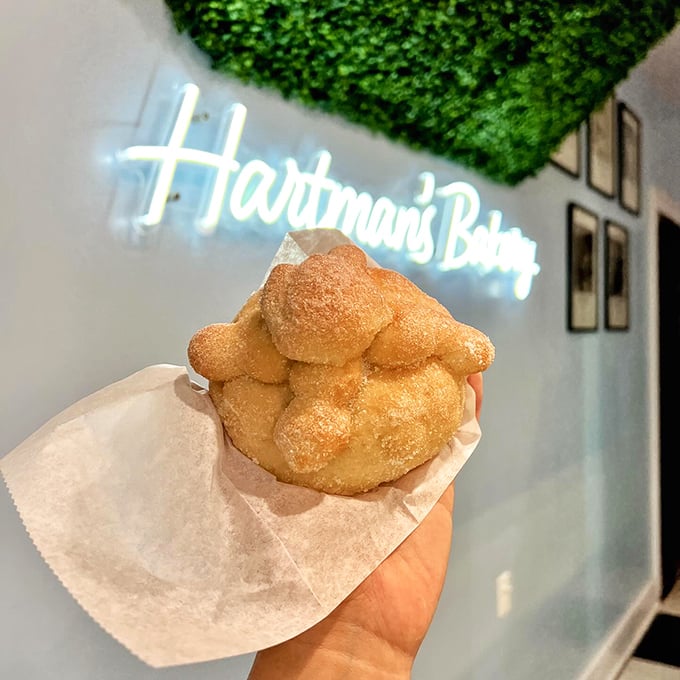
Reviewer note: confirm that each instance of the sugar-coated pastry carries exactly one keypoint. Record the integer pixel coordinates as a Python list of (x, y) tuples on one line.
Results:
[(337, 376), (250, 349), (326, 310)]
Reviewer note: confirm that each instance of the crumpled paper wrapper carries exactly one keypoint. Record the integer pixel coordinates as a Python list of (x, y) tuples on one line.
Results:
[(177, 544)]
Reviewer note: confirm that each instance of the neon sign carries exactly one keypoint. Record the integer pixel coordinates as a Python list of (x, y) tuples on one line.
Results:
[(312, 200)]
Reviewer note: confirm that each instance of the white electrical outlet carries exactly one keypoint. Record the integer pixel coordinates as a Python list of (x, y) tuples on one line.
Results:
[(503, 594)]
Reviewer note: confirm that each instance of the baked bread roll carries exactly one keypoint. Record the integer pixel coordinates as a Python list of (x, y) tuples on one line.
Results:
[(337, 376)]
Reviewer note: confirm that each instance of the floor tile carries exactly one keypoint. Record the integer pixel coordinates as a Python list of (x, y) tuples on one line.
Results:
[(661, 642), (641, 669), (671, 605)]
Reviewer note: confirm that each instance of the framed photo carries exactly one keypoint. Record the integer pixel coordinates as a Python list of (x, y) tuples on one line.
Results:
[(582, 308), (629, 159), (616, 284), (568, 155), (602, 149)]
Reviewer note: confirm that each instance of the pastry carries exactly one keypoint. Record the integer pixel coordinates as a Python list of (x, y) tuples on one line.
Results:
[(337, 376)]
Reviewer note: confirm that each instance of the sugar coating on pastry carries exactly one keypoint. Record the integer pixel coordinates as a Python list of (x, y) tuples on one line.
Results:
[(251, 350), (326, 310), (337, 376)]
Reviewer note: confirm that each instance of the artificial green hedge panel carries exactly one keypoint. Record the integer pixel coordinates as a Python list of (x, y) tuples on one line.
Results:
[(493, 85)]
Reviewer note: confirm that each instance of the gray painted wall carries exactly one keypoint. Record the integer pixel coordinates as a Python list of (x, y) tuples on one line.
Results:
[(558, 489)]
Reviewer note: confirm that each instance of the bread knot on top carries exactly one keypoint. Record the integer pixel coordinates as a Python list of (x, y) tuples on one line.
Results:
[(223, 351), (338, 376), (326, 310)]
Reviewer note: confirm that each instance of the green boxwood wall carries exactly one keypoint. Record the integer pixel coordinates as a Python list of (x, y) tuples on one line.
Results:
[(493, 85)]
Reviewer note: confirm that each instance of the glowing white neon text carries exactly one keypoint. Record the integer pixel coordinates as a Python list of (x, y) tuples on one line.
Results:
[(312, 200)]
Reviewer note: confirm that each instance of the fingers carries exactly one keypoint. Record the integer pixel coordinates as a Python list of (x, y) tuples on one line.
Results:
[(477, 383)]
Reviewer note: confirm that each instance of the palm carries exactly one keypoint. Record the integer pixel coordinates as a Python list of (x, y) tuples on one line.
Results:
[(397, 601), (386, 618)]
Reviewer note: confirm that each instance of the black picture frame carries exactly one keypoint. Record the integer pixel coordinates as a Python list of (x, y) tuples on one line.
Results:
[(582, 268), (568, 156), (630, 148), (616, 277), (602, 155)]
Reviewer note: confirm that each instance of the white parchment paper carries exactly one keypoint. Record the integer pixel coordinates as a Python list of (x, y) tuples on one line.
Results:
[(178, 545)]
